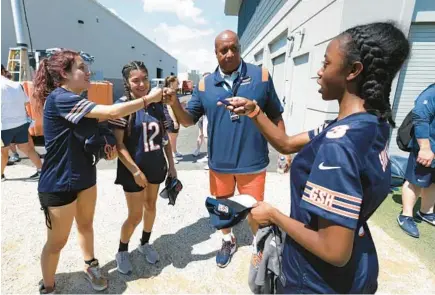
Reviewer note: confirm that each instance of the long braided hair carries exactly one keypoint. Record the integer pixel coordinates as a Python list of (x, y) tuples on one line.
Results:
[(382, 49), (126, 70)]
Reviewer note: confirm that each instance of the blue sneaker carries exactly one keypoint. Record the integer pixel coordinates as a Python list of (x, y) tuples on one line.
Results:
[(429, 218), (223, 257), (408, 225)]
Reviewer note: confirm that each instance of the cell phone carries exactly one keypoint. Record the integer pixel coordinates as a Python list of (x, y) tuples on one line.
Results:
[(224, 101)]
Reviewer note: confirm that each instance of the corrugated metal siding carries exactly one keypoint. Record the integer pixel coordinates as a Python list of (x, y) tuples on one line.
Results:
[(254, 15), (418, 73)]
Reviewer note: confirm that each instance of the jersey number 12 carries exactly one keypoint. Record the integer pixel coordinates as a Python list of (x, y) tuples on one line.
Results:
[(149, 144)]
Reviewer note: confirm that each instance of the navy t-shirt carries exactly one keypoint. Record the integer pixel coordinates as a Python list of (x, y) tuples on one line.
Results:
[(342, 175), (67, 167), (147, 139), (235, 146)]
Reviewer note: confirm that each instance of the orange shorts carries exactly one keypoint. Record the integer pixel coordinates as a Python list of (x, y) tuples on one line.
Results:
[(224, 185)]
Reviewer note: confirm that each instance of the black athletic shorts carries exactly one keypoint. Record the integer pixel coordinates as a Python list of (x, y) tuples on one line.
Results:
[(126, 179), (55, 199)]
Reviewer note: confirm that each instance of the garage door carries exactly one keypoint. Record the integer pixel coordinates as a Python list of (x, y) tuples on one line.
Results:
[(278, 75), (418, 73)]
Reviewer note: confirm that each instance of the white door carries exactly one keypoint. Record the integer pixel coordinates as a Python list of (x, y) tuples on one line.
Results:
[(417, 74), (299, 84), (278, 75)]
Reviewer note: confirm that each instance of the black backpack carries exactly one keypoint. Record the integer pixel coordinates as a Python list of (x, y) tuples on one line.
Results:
[(405, 133)]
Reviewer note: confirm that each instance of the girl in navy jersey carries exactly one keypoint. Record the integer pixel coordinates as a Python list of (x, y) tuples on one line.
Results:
[(142, 143), (67, 186), (342, 172)]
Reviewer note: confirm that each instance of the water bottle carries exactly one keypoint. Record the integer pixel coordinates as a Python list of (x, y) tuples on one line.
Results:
[(282, 164)]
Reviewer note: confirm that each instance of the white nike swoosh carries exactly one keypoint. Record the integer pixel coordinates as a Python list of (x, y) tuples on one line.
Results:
[(400, 222), (323, 167), (419, 180)]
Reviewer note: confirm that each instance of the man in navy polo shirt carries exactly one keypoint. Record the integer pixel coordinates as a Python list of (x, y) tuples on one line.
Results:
[(238, 153)]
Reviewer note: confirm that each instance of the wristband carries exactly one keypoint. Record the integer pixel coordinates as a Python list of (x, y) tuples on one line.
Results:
[(255, 112), (137, 173)]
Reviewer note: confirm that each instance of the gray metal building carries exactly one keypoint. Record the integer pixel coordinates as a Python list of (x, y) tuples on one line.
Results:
[(289, 37), (88, 26)]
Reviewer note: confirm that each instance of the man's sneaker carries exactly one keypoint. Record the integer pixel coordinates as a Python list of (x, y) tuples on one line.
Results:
[(150, 253), (94, 276), (123, 262), (408, 225), (35, 176), (15, 158), (223, 257), (429, 218), (3, 178), (196, 153), (43, 290)]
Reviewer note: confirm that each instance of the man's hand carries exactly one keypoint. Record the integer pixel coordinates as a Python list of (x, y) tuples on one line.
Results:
[(239, 105), (288, 160), (425, 157), (169, 96)]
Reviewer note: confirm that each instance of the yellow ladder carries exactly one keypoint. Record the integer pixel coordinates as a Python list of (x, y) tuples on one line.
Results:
[(18, 64)]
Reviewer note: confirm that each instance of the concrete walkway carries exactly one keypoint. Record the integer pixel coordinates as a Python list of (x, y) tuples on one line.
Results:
[(186, 242)]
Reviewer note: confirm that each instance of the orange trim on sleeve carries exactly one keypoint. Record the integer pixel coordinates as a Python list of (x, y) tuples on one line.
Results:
[(264, 75), (201, 85)]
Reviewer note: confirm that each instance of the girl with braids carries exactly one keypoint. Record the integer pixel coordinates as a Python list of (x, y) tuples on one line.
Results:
[(341, 173), (67, 185), (142, 166)]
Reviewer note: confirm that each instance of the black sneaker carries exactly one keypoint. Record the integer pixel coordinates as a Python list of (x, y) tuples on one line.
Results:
[(408, 225), (35, 176), (43, 290), (429, 217)]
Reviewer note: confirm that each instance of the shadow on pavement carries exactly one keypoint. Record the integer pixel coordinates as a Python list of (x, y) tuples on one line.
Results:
[(175, 249)]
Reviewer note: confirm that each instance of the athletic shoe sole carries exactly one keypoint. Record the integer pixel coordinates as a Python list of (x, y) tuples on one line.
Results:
[(124, 273), (408, 233)]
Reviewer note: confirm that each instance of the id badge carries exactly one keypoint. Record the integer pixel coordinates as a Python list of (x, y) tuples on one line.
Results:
[(233, 116)]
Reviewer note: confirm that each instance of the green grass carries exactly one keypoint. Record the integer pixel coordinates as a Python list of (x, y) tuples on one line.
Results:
[(386, 218)]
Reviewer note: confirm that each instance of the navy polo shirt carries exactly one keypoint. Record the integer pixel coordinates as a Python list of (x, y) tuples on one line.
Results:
[(235, 146), (67, 167), (342, 175)]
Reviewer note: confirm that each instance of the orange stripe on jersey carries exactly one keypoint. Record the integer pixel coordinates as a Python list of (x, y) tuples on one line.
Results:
[(201, 85), (340, 195), (331, 209), (264, 75)]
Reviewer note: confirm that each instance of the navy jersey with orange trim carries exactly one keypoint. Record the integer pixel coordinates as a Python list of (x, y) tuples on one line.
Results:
[(146, 141), (342, 175), (235, 145), (66, 165)]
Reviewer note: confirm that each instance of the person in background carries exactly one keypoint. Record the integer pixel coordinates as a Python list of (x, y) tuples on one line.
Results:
[(342, 174), (67, 187), (15, 124), (420, 171), (142, 143), (173, 125), (202, 135), (238, 154)]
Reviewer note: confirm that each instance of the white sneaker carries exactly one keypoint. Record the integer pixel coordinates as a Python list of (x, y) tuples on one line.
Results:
[(206, 167), (150, 253), (196, 153)]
